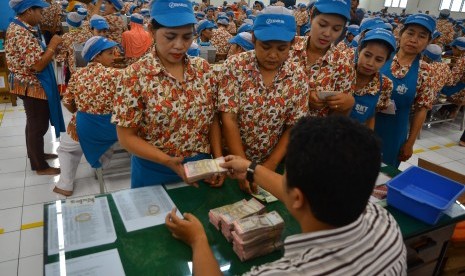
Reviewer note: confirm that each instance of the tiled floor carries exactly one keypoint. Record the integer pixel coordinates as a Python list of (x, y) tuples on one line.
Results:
[(22, 192)]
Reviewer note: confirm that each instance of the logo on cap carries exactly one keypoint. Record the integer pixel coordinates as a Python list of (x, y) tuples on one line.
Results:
[(173, 5), (273, 21), (422, 17), (342, 1)]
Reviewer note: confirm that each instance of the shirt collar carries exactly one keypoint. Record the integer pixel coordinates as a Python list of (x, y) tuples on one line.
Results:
[(302, 44), (284, 70)]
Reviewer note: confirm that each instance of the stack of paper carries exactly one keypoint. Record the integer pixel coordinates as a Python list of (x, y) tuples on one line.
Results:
[(257, 235)]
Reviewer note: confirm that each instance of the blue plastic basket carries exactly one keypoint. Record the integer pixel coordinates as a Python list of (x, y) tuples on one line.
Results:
[(422, 194)]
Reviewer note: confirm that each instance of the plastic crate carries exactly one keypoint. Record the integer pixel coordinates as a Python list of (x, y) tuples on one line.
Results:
[(422, 194)]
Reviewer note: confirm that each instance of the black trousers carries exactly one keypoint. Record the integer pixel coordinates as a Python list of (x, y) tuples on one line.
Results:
[(463, 136), (37, 121)]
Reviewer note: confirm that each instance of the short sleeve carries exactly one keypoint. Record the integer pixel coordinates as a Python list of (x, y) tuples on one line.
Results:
[(32, 50), (457, 72), (299, 93), (425, 89), (386, 90)]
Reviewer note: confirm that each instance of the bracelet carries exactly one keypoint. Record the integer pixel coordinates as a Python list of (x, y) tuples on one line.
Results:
[(51, 49)]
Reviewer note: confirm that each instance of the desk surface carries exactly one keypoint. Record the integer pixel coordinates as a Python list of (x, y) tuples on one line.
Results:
[(153, 251)]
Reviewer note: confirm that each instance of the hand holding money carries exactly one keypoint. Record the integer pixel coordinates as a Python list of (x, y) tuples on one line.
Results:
[(202, 169), (236, 166), (189, 229)]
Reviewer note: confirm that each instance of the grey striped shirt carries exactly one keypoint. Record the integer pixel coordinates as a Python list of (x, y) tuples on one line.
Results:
[(372, 245)]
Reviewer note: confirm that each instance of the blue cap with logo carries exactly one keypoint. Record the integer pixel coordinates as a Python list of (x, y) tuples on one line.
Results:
[(275, 23), (245, 28), (353, 29), (137, 18), (372, 23), (244, 40), (433, 52), (341, 7), (200, 15), (95, 45), (117, 4), (173, 13), (380, 34), (20, 6), (436, 34), (423, 20), (205, 24), (73, 19), (82, 12), (459, 42), (98, 22)]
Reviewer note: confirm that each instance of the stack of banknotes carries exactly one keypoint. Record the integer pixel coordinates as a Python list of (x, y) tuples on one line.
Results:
[(202, 169), (257, 235)]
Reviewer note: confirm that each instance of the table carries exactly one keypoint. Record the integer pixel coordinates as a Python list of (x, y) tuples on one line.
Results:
[(153, 251)]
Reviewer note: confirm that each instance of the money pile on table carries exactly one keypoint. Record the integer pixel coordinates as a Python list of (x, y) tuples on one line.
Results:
[(223, 217), (257, 235)]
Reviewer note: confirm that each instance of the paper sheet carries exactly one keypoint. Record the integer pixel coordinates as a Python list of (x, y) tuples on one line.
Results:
[(175, 185), (83, 226), (457, 209), (143, 207), (102, 263), (382, 179)]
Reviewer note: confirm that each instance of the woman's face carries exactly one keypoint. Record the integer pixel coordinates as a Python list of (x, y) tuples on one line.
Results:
[(173, 43), (372, 58), (207, 34), (326, 28), (271, 54), (107, 57), (414, 39), (235, 49), (102, 32)]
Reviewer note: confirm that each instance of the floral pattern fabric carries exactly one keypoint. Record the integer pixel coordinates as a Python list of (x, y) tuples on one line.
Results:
[(447, 31), (51, 17), (374, 87), (262, 112), (219, 40), (66, 52), (92, 89), (232, 29), (116, 27), (173, 116), (442, 76), (301, 17), (22, 52), (332, 72)]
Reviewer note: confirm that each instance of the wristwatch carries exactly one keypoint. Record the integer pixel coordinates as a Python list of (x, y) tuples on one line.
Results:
[(251, 171)]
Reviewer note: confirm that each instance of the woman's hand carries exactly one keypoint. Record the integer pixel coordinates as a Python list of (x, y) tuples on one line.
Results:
[(189, 229), (216, 180), (314, 101), (341, 102), (406, 152), (175, 164)]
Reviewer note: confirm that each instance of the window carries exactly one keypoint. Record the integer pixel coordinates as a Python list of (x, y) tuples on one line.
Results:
[(453, 5), (395, 3)]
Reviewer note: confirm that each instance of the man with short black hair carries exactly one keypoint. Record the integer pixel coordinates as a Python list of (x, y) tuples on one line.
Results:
[(331, 167)]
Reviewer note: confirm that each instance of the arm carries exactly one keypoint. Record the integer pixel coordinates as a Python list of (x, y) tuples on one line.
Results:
[(418, 119), (191, 231), (268, 180), (47, 56), (71, 107), (130, 140), (232, 134), (279, 151), (370, 123), (215, 137)]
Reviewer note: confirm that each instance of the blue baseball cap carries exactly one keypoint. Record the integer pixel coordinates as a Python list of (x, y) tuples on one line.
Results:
[(117, 4), (82, 12), (21, 6), (245, 28), (132, 8), (275, 23), (372, 23), (244, 40), (380, 34), (205, 24), (98, 22), (433, 52), (353, 29), (173, 13), (436, 34), (230, 13), (459, 42), (341, 7), (137, 18), (200, 15), (73, 19), (95, 45), (145, 12), (423, 20)]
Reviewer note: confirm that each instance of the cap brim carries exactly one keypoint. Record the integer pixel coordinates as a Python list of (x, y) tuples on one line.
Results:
[(278, 34), (176, 19), (101, 27), (333, 9), (109, 44)]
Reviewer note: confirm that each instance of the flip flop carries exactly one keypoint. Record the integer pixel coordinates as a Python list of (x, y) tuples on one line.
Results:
[(50, 156)]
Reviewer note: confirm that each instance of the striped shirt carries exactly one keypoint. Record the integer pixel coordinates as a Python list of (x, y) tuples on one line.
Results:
[(372, 245)]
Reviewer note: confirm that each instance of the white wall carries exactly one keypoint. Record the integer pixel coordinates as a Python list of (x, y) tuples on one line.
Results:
[(413, 6)]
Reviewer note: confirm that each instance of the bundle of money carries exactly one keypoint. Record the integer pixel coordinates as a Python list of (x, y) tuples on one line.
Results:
[(264, 196), (202, 169), (257, 235), (252, 207), (214, 214)]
